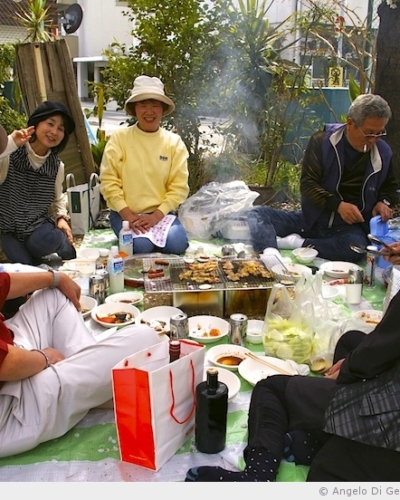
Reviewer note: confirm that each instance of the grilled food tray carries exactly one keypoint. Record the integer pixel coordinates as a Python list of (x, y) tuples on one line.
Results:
[(215, 274)]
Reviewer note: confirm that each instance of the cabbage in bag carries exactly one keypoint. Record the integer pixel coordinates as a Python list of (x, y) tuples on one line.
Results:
[(288, 327)]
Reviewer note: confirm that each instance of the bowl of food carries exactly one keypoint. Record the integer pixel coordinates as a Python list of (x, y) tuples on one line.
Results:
[(207, 329), (305, 255), (290, 271), (227, 356), (371, 317), (158, 318), (115, 314), (133, 298), (87, 304)]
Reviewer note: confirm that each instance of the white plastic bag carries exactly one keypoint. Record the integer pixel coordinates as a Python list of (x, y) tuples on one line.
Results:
[(209, 210), (288, 327)]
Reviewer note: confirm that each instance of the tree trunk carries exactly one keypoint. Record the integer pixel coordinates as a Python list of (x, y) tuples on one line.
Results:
[(388, 73)]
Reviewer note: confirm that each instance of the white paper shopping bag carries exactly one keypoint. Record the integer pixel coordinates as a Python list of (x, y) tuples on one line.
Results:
[(154, 402), (84, 203)]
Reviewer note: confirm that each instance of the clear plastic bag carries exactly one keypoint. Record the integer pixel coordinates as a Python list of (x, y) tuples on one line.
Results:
[(207, 212), (288, 326)]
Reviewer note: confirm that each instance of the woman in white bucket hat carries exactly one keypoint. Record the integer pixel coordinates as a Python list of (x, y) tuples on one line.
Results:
[(144, 173)]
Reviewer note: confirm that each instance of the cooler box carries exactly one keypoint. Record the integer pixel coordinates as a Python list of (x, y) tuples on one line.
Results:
[(381, 230)]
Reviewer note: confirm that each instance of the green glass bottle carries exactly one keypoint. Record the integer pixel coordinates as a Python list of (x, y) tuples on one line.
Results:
[(211, 414)]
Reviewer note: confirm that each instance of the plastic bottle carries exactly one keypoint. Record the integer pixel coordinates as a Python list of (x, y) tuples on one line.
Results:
[(101, 262), (126, 239), (211, 414), (115, 268)]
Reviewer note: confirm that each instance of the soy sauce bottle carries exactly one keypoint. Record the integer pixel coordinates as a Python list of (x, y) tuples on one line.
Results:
[(211, 414)]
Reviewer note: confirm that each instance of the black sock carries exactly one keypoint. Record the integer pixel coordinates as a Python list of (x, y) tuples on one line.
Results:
[(301, 447), (261, 465)]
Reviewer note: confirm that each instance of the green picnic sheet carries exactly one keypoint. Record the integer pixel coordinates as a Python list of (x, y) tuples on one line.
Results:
[(89, 451)]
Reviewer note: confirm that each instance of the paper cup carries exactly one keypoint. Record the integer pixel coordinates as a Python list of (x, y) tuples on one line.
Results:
[(353, 293)]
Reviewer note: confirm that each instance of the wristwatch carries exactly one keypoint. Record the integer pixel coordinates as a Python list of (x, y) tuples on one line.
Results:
[(386, 202), (56, 278)]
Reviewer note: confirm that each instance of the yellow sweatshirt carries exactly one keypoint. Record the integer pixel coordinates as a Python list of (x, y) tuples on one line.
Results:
[(144, 171)]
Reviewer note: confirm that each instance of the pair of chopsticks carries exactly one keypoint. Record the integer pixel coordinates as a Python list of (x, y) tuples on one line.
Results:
[(303, 250), (267, 363)]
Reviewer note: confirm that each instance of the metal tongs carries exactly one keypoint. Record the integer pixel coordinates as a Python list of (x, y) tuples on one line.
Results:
[(271, 260), (377, 241), (356, 247)]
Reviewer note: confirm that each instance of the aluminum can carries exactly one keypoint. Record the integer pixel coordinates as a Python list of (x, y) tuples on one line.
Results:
[(97, 288), (369, 276), (179, 326), (106, 276), (238, 330), (355, 276)]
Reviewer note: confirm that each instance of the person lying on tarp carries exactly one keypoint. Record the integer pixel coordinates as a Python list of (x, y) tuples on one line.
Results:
[(31, 188), (52, 370), (344, 425)]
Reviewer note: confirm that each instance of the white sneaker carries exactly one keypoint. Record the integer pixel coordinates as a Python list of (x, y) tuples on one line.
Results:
[(290, 242)]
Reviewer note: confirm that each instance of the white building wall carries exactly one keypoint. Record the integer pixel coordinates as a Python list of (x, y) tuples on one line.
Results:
[(103, 23)]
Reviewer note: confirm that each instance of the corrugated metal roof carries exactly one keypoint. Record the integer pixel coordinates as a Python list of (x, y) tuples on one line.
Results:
[(8, 9)]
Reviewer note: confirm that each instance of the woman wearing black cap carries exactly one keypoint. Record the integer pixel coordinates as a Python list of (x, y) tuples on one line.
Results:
[(31, 177)]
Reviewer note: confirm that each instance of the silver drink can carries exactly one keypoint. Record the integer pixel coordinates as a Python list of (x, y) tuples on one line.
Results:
[(97, 288), (238, 330), (179, 326), (106, 276), (369, 276), (355, 276)]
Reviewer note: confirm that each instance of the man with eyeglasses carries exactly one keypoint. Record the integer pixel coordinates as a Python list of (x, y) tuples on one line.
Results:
[(347, 178)]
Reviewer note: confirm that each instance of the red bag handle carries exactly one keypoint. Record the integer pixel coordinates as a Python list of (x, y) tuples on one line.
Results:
[(171, 383)]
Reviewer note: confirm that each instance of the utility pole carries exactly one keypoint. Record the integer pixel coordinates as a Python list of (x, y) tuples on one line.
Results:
[(367, 57)]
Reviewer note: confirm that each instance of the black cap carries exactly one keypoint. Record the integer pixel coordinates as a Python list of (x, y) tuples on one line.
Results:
[(51, 108), (3, 139)]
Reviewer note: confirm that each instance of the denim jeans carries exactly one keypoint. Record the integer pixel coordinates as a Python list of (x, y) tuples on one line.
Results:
[(46, 239), (267, 223), (177, 241)]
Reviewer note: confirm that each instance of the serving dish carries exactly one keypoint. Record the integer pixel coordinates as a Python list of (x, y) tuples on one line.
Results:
[(87, 304), (104, 314), (253, 371), (370, 317), (230, 379), (158, 317), (337, 269), (305, 255), (133, 266), (207, 329), (295, 270), (88, 253), (133, 298), (227, 356)]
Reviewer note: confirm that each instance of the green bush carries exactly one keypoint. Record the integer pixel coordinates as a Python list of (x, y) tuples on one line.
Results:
[(9, 118)]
